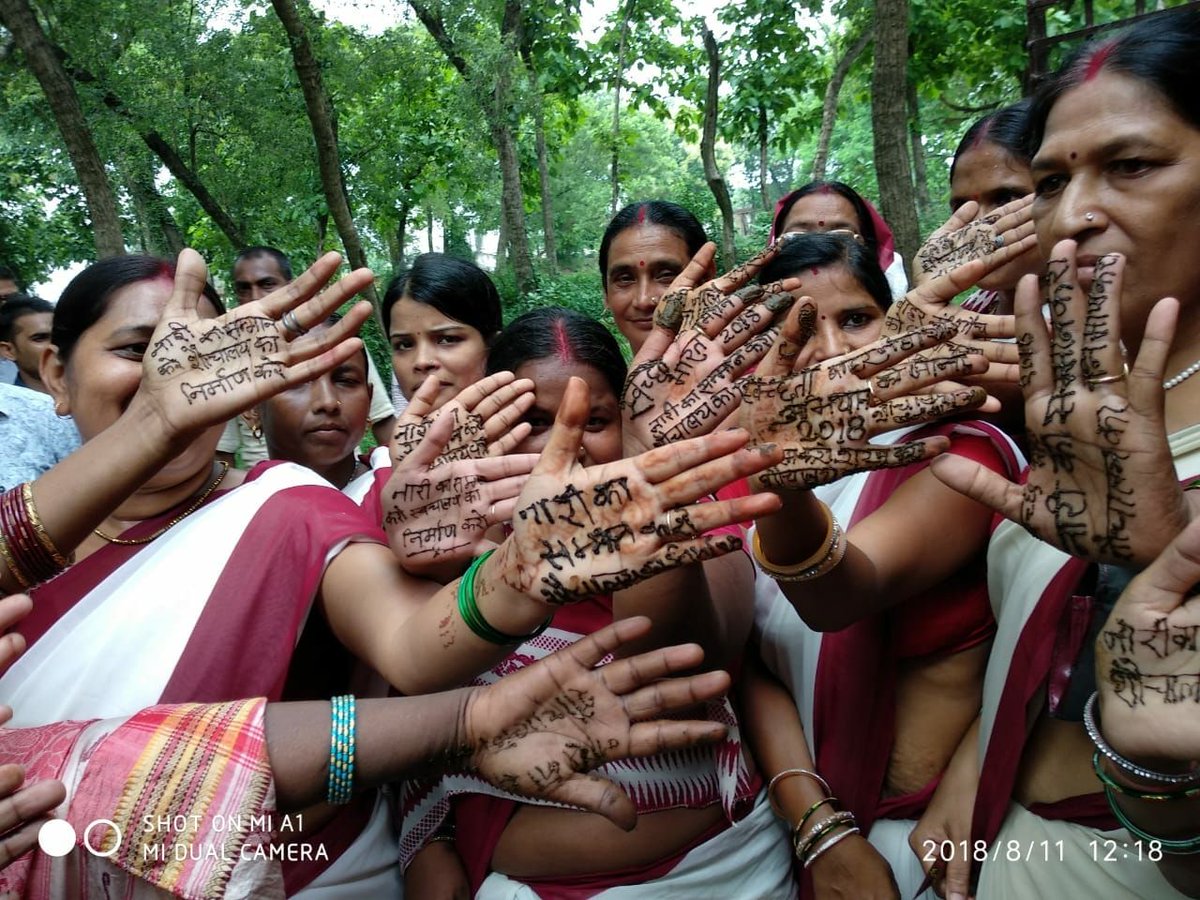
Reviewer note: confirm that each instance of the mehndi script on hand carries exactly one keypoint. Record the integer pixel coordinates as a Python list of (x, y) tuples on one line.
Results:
[(486, 415), (199, 372), (1098, 450), (824, 415), (580, 531)]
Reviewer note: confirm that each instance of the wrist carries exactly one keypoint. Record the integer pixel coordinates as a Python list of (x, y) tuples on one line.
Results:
[(505, 607)]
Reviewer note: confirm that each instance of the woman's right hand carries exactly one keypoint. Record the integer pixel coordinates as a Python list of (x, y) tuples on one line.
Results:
[(198, 372), (23, 810), (964, 238), (1147, 661), (853, 870), (487, 418), (823, 415), (580, 531)]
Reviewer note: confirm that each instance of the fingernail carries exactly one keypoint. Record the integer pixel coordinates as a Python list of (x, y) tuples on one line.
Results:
[(767, 449), (779, 302), (955, 895)]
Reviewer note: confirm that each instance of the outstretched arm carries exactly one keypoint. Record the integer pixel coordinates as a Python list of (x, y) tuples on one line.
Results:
[(179, 397)]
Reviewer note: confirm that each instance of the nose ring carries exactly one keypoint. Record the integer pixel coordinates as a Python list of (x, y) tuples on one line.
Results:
[(1091, 217)]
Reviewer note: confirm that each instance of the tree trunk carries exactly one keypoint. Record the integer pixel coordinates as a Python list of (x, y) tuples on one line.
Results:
[(616, 125), (832, 91), (551, 251), (401, 238), (890, 124), (183, 173), (321, 115), (496, 111), (160, 232), (708, 140), (920, 177), (322, 231), (19, 18), (763, 172)]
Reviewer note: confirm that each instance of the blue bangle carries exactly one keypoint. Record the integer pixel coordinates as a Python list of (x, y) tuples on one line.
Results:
[(341, 750)]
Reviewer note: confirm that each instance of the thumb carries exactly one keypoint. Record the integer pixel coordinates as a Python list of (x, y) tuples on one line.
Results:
[(566, 437), (597, 794), (958, 877)]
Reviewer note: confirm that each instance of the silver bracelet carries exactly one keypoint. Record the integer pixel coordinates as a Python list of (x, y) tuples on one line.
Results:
[(812, 856), (1092, 725)]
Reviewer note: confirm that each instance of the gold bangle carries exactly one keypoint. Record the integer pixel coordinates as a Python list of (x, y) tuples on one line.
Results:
[(6, 553), (36, 521), (820, 553), (834, 553)]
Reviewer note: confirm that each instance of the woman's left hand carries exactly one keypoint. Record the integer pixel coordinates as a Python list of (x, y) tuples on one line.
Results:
[(538, 731), (946, 822), (1101, 483), (437, 510), (824, 415), (199, 372), (964, 238), (487, 417), (853, 870), (580, 531)]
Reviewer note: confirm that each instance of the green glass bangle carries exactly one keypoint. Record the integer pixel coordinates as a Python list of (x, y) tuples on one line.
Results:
[(340, 789), (1185, 847), (1109, 782), (812, 809), (469, 610)]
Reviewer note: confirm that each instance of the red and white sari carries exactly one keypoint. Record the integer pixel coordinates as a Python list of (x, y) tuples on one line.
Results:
[(844, 682), (1041, 624), (693, 778), (210, 611)]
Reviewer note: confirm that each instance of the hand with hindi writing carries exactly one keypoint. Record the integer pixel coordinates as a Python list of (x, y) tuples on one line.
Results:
[(437, 510), (580, 531), (685, 385), (487, 419), (1101, 483), (711, 306), (823, 415), (199, 372), (1148, 659), (538, 731), (988, 335), (964, 238)]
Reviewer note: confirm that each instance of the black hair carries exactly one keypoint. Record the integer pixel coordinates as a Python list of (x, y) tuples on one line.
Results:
[(1163, 51), (866, 223), (454, 287), (817, 249), (555, 331), (85, 299), (1006, 128), (10, 275), (15, 307), (653, 212), (285, 265)]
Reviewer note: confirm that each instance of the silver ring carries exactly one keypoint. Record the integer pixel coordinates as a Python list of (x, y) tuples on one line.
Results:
[(999, 240), (288, 320), (492, 512), (1091, 217)]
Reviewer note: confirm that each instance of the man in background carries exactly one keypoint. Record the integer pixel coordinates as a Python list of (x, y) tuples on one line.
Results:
[(24, 333), (257, 271)]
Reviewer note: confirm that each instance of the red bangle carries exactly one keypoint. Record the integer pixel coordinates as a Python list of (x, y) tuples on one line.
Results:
[(31, 555)]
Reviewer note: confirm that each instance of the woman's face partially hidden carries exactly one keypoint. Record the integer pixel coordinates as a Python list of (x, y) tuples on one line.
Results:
[(643, 260), (601, 437), (1119, 171)]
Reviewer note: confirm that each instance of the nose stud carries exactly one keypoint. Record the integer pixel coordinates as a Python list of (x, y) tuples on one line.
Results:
[(1091, 217)]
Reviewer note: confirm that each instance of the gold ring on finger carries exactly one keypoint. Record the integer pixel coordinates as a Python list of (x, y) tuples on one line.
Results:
[(1110, 379), (935, 872)]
